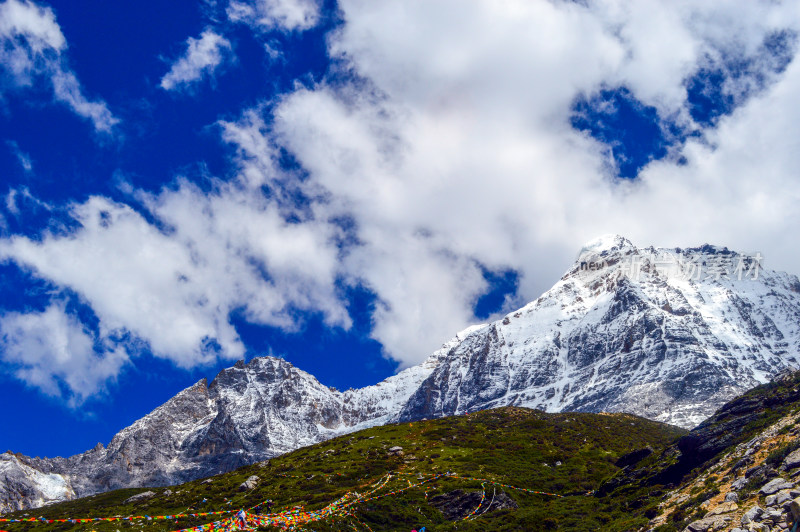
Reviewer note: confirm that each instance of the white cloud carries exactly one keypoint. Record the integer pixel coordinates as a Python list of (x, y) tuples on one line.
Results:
[(225, 252), (202, 57), (23, 157), (454, 151), (32, 47), (67, 89), (53, 352), (460, 149), (289, 15)]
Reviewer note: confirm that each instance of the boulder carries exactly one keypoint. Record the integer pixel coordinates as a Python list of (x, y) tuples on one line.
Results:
[(793, 460), (395, 451), (782, 496), (732, 497), (724, 508), (775, 485), (738, 484), (249, 484), (794, 506), (140, 497), (716, 522), (752, 515)]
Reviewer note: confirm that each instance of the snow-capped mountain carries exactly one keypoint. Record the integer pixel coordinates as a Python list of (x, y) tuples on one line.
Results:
[(669, 334)]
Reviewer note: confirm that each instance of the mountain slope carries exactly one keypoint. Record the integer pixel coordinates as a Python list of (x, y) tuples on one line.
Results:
[(569, 454), (660, 333), (737, 471), (606, 338)]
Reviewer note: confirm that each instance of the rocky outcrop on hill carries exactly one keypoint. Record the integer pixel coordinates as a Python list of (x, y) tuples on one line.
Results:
[(737, 471)]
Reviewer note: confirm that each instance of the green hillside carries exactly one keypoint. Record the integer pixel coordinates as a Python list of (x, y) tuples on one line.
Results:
[(567, 454)]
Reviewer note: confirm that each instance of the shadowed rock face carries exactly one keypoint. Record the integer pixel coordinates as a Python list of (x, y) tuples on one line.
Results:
[(602, 339)]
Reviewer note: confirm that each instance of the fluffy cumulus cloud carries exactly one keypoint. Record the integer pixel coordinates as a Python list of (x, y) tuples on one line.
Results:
[(286, 15), (456, 148), (447, 147), (32, 48), (177, 288), (52, 351), (202, 57)]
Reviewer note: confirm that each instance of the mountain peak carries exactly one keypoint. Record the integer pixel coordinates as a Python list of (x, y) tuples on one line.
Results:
[(622, 331), (606, 243)]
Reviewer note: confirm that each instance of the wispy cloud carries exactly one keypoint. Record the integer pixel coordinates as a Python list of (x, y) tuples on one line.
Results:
[(286, 15), (23, 158), (202, 58), (32, 48)]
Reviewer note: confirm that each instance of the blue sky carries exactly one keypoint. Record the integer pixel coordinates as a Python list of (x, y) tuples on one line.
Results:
[(347, 185)]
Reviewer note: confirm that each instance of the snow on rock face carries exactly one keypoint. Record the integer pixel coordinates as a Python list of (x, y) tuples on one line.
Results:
[(656, 332), (27, 487), (628, 329), (604, 244)]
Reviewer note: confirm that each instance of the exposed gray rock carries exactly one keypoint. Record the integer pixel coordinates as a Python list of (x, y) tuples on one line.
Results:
[(756, 471), (738, 484), (752, 515), (717, 522), (794, 507), (140, 497), (775, 485), (250, 483), (724, 508), (793, 460), (23, 486), (731, 497), (782, 496)]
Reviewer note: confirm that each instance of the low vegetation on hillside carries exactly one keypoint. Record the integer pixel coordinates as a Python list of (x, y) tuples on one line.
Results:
[(434, 481)]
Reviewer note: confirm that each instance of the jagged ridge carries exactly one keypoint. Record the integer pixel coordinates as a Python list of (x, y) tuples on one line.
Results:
[(616, 333)]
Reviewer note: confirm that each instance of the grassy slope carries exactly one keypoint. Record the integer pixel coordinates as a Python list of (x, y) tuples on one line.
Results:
[(510, 445)]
